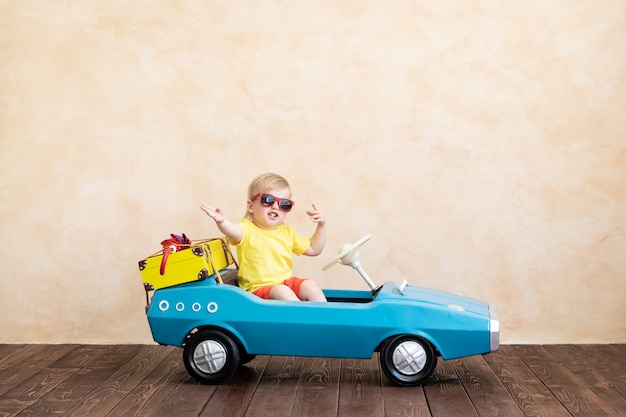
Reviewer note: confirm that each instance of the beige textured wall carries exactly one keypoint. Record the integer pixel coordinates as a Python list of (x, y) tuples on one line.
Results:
[(483, 143)]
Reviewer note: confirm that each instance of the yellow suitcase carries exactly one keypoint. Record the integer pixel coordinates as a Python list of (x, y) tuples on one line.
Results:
[(202, 259)]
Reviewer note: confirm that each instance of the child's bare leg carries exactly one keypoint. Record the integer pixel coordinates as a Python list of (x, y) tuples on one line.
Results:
[(282, 292), (310, 291)]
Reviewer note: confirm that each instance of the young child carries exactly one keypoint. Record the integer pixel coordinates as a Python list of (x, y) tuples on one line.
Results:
[(265, 244)]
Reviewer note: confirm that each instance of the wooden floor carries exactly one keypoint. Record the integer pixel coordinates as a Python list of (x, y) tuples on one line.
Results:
[(142, 380)]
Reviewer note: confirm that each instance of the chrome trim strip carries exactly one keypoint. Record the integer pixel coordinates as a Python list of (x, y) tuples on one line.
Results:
[(494, 329)]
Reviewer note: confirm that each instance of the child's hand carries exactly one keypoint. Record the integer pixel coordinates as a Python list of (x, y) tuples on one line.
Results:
[(232, 231), (214, 213), (316, 216)]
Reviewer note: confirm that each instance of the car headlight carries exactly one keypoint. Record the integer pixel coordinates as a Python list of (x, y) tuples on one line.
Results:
[(494, 329)]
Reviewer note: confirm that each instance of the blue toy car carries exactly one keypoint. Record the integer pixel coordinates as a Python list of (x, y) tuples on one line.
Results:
[(222, 326)]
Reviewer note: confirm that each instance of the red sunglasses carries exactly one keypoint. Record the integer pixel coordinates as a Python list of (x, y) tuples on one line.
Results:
[(268, 200)]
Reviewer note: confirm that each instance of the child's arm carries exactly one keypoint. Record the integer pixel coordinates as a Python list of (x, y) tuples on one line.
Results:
[(231, 230), (318, 240)]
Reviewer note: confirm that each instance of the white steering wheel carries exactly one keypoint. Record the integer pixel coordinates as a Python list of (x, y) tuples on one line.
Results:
[(348, 253)]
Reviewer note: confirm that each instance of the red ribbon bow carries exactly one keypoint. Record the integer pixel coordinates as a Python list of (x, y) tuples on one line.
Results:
[(173, 244)]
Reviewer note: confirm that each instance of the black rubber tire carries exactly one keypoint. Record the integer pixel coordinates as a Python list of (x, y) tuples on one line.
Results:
[(246, 358), (408, 360), (211, 356)]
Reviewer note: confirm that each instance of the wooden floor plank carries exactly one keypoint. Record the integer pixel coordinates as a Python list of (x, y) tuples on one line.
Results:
[(5, 350), (318, 388), (531, 395), (148, 396), (231, 399), (187, 399), (29, 361), (603, 381), (610, 358), (446, 395), (95, 356), (571, 391), (275, 393), (360, 389), (484, 388), (404, 401), (30, 390), (10, 355), (95, 363), (151, 380), (621, 348), (108, 394)]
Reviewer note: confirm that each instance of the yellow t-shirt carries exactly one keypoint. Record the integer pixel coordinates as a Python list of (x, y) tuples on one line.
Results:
[(265, 255)]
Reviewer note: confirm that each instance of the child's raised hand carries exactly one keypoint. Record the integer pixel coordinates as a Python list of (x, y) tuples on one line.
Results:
[(232, 231), (316, 216), (213, 212)]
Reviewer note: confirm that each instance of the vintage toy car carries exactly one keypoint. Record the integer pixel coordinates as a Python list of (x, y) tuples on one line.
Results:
[(220, 326)]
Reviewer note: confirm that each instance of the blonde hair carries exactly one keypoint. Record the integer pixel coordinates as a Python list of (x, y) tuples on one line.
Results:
[(265, 182)]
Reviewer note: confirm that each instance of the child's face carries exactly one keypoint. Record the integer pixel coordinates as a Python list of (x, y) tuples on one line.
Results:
[(268, 217)]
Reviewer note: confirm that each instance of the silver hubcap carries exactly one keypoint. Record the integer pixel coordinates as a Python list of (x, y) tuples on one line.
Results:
[(409, 358), (210, 356)]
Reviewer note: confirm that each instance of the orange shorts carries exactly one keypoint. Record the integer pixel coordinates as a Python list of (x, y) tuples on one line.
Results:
[(294, 283)]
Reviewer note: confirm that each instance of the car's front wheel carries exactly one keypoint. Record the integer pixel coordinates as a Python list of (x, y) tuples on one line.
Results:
[(211, 356), (407, 360)]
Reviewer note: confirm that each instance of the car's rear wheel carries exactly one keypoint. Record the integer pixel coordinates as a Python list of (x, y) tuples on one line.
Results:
[(211, 356), (407, 360)]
